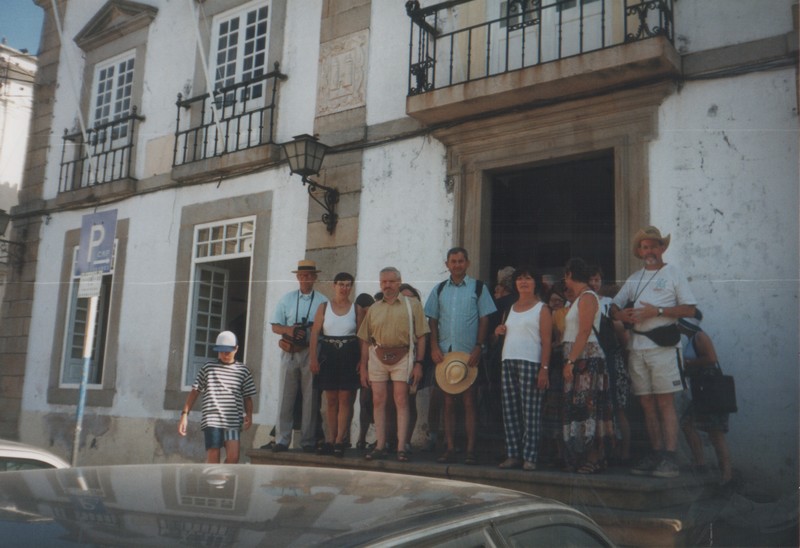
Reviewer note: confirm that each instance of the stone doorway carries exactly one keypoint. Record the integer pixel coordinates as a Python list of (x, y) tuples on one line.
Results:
[(543, 215)]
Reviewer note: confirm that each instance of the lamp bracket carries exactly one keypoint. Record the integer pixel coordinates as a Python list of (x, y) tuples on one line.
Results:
[(330, 197)]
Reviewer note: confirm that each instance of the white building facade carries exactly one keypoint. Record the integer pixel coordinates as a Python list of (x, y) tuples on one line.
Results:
[(17, 73), (536, 151)]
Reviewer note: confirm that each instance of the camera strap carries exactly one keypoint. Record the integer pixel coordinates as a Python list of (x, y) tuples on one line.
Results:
[(297, 307)]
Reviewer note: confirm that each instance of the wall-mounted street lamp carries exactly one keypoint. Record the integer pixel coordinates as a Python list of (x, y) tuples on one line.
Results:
[(12, 252), (305, 154)]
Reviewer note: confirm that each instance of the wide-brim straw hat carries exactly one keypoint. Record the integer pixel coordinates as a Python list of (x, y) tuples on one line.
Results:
[(306, 266), (453, 375), (649, 233)]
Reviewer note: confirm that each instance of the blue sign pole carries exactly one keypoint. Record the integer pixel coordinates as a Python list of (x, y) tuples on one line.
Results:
[(95, 256), (87, 364)]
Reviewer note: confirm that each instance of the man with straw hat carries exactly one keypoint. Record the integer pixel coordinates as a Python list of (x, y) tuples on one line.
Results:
[(458, 311), (292, 320), (650, 304)]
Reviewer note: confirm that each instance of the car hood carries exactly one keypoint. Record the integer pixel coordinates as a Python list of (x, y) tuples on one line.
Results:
[(242, 505)]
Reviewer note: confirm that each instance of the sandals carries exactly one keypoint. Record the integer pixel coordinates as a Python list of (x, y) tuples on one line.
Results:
[(338, 450), (448, 457), (471, 459), (376, 454), (590, 468), (510, 463), (403, 456)]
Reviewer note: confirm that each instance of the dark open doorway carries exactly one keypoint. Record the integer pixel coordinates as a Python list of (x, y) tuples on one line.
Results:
[(544, 215)]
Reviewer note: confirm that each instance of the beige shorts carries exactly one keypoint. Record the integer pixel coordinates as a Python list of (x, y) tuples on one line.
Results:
[(655, 370), (380, 372)]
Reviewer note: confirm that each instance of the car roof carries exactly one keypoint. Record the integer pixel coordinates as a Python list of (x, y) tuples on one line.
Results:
[(201, 504), (23, 451)]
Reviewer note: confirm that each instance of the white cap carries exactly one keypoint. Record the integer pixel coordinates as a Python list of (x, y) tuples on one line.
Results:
[(226, 342)]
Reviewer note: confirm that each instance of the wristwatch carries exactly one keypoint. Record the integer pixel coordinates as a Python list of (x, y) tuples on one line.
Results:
[(660, 311)]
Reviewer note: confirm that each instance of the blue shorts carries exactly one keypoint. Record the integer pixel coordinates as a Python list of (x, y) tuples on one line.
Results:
[(216, 437)]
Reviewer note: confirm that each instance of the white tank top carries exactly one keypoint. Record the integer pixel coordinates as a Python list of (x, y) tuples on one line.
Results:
[(339, 326), (573, 320), (523, 339)]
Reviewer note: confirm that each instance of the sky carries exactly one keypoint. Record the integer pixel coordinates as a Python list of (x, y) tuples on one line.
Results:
[(21, 24)]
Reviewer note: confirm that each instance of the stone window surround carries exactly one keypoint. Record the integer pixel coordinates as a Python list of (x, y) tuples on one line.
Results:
[(95, 397), (623, 123), (212, 168), (258, 205), (100, 45)]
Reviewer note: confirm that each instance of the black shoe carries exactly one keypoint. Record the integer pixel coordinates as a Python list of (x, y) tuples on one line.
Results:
[(279, 448), (325, 449), (338, 449)]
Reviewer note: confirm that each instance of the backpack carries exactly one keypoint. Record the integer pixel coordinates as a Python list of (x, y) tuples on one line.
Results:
[(606, 336)]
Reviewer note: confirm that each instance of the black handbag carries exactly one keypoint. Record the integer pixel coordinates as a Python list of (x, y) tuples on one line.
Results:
[(713, 392)]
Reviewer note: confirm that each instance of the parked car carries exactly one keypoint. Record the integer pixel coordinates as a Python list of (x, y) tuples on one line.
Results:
[(20, 456), (266, 505)]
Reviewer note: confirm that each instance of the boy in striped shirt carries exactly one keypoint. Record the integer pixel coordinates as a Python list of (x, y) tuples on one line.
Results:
[(228, 389)]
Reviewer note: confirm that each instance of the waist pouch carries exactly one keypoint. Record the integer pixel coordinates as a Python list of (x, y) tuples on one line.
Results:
[(666, 335), (389, 355)]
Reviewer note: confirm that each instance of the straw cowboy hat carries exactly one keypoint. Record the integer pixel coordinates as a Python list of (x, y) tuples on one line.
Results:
[(452, 375), (306, 266), (649, 233)]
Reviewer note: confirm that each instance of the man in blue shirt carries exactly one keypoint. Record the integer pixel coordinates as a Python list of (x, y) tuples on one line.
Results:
[(458, 310), (292, 320)]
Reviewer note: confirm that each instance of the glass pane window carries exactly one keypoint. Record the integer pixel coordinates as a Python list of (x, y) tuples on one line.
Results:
[(220, 289), (78, 316), (113, 89), (226, 240), (240, 51)]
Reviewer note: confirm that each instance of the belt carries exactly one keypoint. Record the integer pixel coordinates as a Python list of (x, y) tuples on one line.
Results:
[(337, 342)]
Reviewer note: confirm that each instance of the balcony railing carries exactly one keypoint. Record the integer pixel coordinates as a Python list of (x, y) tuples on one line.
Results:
[(454, 43), (104, 157), (229, 119)]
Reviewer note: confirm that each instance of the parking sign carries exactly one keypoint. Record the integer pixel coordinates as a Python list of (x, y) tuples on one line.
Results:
[(96, 247)]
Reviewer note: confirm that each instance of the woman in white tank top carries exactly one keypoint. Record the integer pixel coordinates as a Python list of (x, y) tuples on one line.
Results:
[(588, 413), (334, 354), (526, 352)]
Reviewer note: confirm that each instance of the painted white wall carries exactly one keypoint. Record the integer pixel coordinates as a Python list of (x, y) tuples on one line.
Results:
[(724, 182), (16, 105), (405, 218), (298, 94), (387, 84), (149, 287), (706, 24)]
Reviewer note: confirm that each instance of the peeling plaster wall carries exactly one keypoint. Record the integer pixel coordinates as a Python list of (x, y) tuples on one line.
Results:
[(406, 214), (724, 182), (706, 24)]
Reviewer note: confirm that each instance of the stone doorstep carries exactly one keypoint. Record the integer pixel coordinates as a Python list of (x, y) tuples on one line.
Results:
[(615, 490)]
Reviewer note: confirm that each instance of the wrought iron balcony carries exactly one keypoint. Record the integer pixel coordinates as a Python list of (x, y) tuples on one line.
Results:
[(104, 157), (460, 41), (229, 119)]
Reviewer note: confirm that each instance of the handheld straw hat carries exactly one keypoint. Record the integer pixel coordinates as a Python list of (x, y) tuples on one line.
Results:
[(453, 375)]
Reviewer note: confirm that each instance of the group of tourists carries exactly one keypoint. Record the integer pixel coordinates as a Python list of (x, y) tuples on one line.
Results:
[(568, 358)]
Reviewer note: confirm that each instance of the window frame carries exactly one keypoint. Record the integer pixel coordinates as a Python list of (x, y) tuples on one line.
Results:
[(259, 206), (239, 13), (105, 304), (205, 258), (113, 62), (101, 395)]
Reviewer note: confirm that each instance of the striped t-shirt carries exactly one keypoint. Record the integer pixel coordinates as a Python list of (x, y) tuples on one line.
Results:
[(224, 388)]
